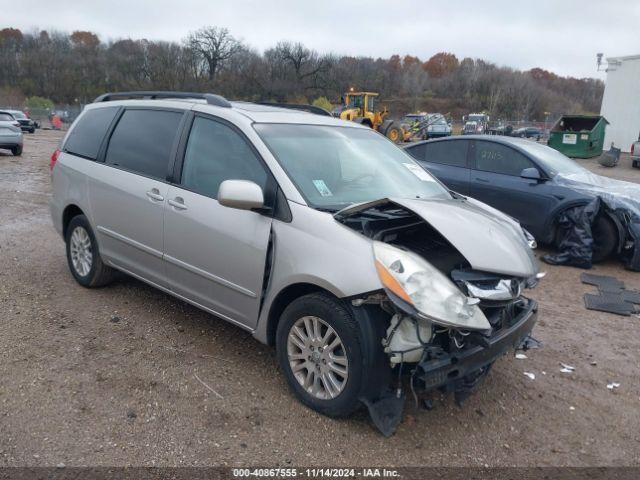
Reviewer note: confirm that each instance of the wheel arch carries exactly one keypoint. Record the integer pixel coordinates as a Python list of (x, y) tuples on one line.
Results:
[(283, 298), (68, 213), (552, 222)]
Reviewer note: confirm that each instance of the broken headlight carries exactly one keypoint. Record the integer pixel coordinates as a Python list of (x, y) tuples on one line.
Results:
[(414, 280), (531, 241)]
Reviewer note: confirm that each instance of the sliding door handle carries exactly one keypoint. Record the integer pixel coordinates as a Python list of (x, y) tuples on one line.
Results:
[(177, 203)]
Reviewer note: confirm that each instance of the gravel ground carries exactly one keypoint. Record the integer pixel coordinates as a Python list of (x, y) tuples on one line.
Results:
[(125, 375)]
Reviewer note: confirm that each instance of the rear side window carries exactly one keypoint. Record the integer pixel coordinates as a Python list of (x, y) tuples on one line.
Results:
[(215, 153), (87, 135), (142, 141), (450, 152), (5, 117), (498, 158)]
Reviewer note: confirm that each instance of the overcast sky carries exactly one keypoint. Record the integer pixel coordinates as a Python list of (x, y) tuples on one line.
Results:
[(562, 35)]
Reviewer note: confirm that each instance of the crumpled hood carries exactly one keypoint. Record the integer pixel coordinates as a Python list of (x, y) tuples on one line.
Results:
[(490, 240)]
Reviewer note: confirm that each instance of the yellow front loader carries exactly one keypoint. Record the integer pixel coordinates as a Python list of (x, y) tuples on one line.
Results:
[(361, 107)]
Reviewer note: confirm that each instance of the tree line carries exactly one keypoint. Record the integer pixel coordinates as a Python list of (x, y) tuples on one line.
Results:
[(75, 68)]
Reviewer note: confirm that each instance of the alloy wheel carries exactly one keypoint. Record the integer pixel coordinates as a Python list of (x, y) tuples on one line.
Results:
[(317, 358), (81, 251)]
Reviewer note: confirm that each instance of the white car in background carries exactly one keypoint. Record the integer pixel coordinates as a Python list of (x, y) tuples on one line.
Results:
[(438, 126), (10, 134)]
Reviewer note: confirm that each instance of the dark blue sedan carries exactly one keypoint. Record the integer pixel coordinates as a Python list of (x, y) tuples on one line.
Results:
[(529, 181)]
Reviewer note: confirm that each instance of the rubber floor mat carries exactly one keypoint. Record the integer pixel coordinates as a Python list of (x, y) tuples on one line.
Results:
[(631, 296), (603, 282), (609, 302)]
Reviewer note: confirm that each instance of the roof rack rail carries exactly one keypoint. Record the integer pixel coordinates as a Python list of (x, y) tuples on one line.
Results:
[(303, 107), (212, 99)]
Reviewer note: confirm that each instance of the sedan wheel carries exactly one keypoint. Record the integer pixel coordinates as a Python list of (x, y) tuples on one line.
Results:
[(317, 358)]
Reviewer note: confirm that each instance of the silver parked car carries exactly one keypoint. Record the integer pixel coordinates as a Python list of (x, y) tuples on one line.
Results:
[(317, 235), (10, 133)]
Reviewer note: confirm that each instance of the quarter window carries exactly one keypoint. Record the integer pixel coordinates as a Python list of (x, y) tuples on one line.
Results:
[(215, 153), (142, 141), (86, 137), (498, 158)]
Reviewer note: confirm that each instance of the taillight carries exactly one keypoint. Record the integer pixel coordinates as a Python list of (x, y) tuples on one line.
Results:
[(54, 159), (632, 147)]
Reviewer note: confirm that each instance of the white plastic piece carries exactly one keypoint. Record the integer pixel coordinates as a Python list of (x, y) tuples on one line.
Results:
[(405, 338), (532, 376)]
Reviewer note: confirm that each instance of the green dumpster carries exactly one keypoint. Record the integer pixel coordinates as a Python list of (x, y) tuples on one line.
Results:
[(578, 136)]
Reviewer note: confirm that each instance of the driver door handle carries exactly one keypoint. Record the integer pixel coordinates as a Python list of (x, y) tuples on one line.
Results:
[(177, 203), (154, 194), (483, 180)]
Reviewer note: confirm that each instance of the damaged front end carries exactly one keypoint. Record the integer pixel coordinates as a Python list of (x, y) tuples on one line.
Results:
[(452, 307)]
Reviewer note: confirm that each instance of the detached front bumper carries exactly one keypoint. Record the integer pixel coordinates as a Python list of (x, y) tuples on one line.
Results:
[(457, 371)]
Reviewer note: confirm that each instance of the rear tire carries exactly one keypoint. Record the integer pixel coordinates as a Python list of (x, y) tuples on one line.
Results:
[(394, 133), (605, 238), (83, 255), (17, 151), (325, 378)]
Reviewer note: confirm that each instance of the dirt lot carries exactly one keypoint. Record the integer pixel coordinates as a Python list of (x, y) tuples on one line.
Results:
[(114, 376)]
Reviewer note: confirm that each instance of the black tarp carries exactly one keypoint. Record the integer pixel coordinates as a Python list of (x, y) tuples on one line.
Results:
[(619, 199)]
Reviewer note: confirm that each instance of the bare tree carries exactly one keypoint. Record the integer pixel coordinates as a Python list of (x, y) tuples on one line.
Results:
[(213, 46)]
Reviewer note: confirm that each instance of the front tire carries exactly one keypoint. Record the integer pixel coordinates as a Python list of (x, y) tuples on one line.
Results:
[(605, 238), (319, 350), (17, 151), (83, 255)]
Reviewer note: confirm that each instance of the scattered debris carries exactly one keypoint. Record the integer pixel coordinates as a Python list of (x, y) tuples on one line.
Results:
[(572, 408), (566, 368), (532, 376), (528, 343), (208, 387), (60, 465), (521, 356), (114, 319), (593, 363), (612, 385)]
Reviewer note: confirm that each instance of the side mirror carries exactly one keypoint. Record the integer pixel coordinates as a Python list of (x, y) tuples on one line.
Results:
[(240, 194), (531, 173)]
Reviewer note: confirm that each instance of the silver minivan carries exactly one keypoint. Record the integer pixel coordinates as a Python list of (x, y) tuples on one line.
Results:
[(318, 236)]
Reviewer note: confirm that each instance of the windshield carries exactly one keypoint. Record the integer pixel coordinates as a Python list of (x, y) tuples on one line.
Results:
[(334, 167), (5, 117), (18, 115), (475, 118), (554, 161)]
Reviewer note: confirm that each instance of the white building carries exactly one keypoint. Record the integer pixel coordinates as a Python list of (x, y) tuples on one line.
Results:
[(621, 101)]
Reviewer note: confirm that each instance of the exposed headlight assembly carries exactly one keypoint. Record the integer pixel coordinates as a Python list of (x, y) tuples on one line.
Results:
[(425, 288), (531, 241)]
